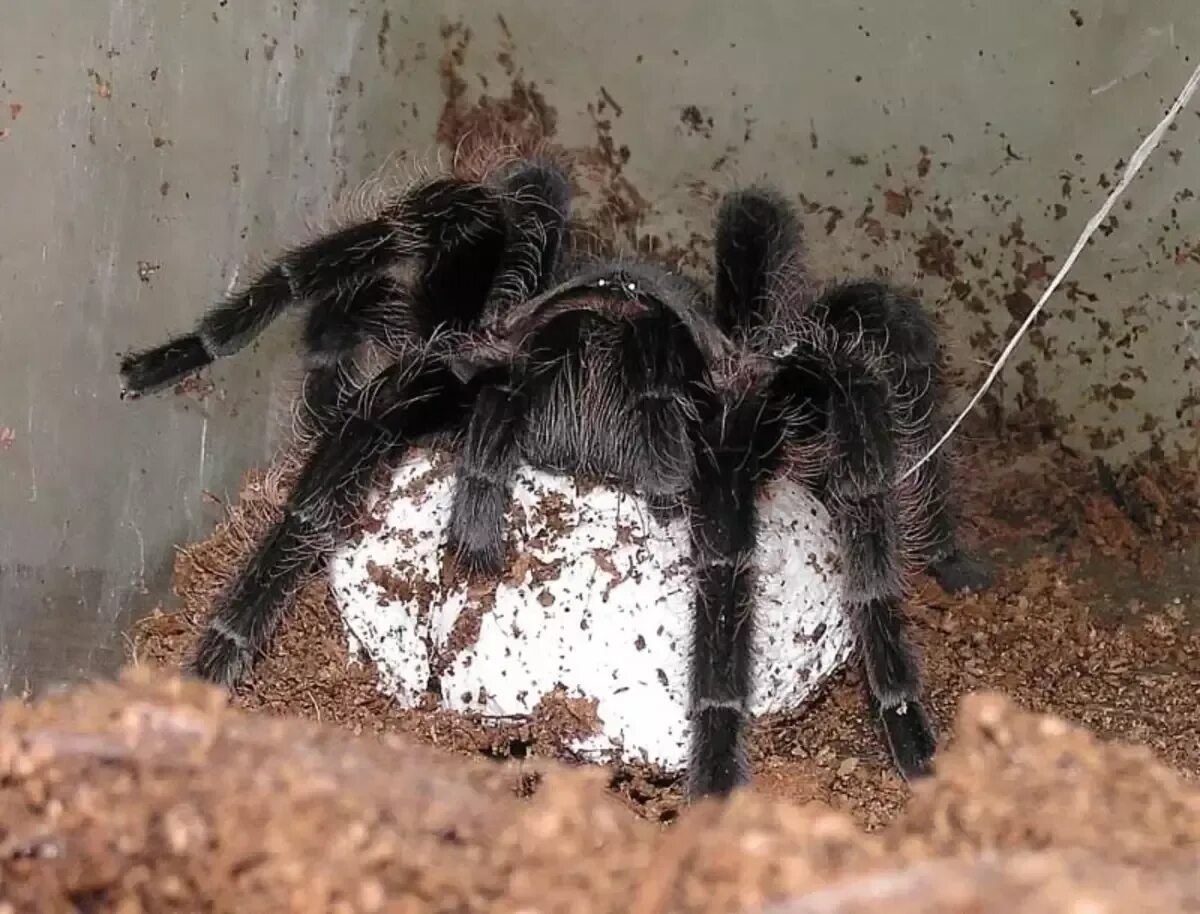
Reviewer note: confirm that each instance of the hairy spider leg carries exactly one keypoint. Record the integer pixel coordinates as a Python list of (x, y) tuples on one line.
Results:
[(758, 245), (537, 204), (402, 403), (738, 447), (537, 201), (367, 425), (839, 364), (870, 520), (590, 390), (434, 222), (528, 390), (872, 313)]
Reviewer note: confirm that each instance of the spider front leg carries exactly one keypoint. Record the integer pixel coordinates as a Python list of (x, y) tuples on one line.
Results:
[(338, 274), (736, 450), (532, 386), (482, 487), (736, 447), (240, 317), (536, 199), (405, 401)]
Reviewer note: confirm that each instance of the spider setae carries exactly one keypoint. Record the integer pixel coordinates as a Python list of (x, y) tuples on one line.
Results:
[(489, 333)]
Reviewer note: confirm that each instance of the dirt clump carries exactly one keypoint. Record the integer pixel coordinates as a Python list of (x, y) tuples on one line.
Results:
[(1036, 782), (153, 795)]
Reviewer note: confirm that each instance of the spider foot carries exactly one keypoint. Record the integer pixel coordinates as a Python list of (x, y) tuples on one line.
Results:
[(960, 572), (910, 738), (719, 763), (153, 369), (221, 658), (476, 556)]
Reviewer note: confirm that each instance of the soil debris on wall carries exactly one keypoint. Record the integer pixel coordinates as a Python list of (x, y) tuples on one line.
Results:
[(483, 132)]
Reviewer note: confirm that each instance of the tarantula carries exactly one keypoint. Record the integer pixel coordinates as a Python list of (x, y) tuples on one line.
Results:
[(491, 334)]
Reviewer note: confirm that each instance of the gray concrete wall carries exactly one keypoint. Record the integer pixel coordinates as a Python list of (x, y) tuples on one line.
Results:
[(151, 151)]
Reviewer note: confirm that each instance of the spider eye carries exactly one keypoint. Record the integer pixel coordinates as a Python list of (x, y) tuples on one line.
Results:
[(602, 283), (631, 286)]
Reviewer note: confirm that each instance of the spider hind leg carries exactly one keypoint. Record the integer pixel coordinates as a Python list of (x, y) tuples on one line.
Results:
[(954, 568), (875, 532), (896, 322), (962, 572)]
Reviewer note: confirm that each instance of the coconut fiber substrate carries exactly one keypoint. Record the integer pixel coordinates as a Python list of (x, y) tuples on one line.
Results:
[(153, 795)]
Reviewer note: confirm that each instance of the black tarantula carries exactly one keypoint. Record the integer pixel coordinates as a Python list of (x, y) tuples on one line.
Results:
[(492, 334)]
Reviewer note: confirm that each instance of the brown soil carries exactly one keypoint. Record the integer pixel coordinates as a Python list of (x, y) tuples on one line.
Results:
[(153, 795), (1094, 616)]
